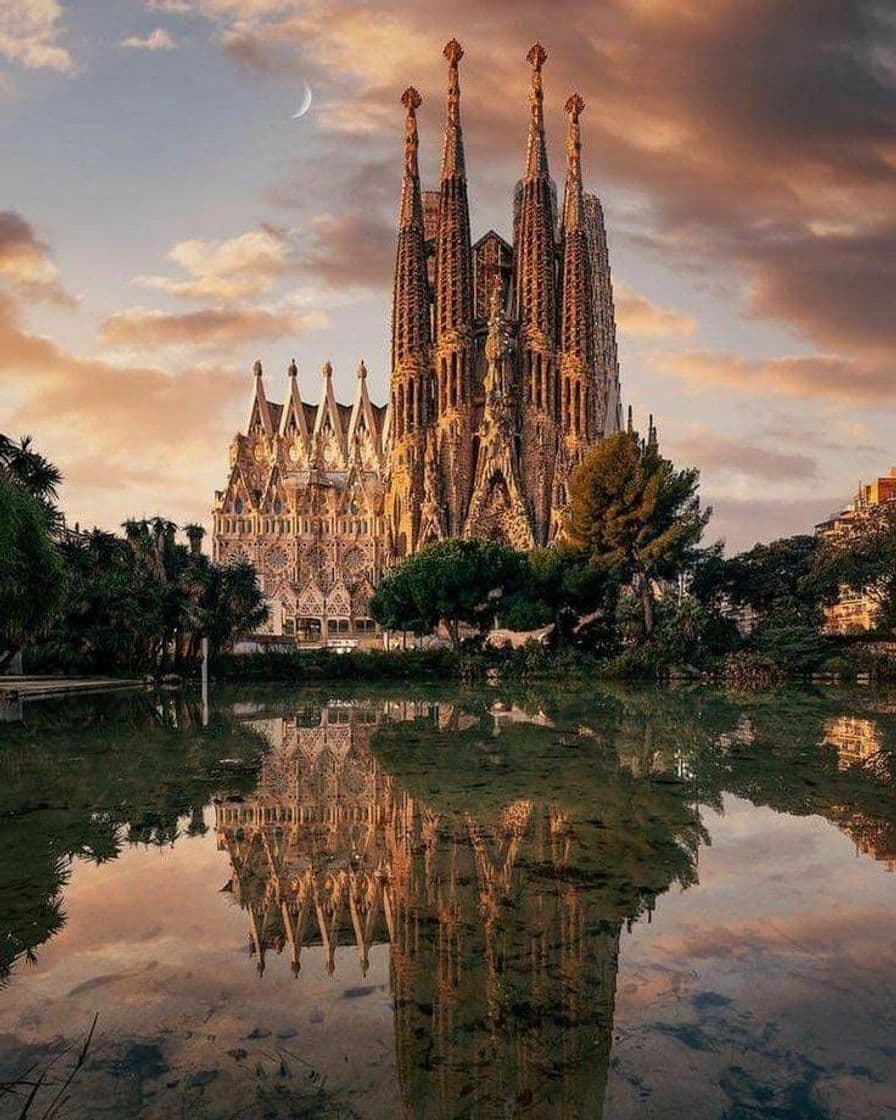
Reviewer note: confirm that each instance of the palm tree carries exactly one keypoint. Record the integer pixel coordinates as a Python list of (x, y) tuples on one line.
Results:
[(22, 466)]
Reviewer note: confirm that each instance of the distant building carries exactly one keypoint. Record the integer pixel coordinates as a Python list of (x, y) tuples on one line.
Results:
[(504, 373), (856, 611)]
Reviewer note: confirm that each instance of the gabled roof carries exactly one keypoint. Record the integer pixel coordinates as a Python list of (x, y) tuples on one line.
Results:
[(492, 235)]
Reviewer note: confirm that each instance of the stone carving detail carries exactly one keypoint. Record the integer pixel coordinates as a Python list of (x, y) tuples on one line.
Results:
[(504, 372)]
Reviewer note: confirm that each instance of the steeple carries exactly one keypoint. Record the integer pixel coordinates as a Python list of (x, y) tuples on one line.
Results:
[(577, 317), (536, 150), (410, 406), (535, 288), (454, 365), (578, 406), (453, 146), (454, 256), (410, 302)]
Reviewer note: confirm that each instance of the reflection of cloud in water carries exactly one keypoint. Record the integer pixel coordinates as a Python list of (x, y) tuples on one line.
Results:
[(481, 859)]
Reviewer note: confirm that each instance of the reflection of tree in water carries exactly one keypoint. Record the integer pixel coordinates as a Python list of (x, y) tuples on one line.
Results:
[(81, 779), (498, 857), (498, 847)]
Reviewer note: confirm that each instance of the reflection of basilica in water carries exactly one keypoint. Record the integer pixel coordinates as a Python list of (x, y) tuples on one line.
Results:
[(503, 924), (479, 858)]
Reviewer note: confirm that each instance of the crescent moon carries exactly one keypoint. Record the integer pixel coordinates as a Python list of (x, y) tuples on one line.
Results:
[(306, 103)]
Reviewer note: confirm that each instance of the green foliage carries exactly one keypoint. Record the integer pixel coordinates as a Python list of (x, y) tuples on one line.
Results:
[(306, 666), (556, 585), (777, 580), (794, 647), (680, 630), (862, 557), (633, 515), (451, 582), (23, 467), (131, 600), (31, 572)]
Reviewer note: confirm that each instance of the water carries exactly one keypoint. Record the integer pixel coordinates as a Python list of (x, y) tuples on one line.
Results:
[(451, 904)]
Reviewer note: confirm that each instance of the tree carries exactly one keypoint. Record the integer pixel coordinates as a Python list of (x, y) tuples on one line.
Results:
[(861, 557), (130, 600), (633, 515), (28, 470), (773, 579), (449, 582), (31, 573), (557, 587)]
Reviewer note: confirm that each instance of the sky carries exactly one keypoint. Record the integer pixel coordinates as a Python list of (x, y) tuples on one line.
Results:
[(165, 220)]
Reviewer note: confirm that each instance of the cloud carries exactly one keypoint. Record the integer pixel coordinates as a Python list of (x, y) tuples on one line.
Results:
[(150, 432), (758, 139), (354, 250), (172, 7), (208, 327), (636, 315), (157, 40), (724, 455), (25, 261), (823, 376), (29, 30), (742, 522), (228, 270)]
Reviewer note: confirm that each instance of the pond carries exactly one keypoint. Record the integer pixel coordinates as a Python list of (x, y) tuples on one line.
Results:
[(440, 903)]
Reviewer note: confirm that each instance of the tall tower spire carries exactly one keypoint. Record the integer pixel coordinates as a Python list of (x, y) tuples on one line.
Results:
[(454, 308), (577, 406), (410, 300), (409, 400), (535, 296)]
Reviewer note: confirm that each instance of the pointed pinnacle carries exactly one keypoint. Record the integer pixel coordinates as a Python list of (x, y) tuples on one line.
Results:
[(574, 105), (411, 99), (453, 51), (362, 370), (293, 369), (537, 56)]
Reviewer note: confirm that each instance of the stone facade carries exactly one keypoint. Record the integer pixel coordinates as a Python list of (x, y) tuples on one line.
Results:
[(504, 372)]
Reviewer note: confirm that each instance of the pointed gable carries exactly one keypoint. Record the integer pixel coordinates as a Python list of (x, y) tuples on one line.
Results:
[(294, 429), (260, 420), (329, 426), (362, 425)]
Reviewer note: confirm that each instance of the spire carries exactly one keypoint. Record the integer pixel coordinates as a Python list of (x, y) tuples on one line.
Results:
[(573, 205), (577, 317), (410, 302), (453, 148), (535, 291), (454, 255), (411, 208), (536, 151)]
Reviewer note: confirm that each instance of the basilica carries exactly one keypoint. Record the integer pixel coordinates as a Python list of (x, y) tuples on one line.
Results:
[(504, 372)]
